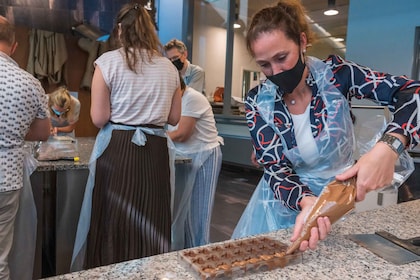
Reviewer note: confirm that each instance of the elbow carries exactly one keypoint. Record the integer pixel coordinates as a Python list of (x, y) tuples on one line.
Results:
[(176, 136), (99, 122), (181, 138), (174, 120)]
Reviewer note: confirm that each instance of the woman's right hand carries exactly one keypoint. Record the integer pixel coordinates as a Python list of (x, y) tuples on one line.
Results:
[(53, 131), (320, 232), (254, 160)]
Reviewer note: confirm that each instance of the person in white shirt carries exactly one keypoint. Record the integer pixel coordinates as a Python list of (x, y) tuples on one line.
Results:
[(195, 137)]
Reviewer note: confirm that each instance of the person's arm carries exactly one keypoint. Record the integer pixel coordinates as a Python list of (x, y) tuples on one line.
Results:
[(184, 131), (375, 169), (175, 112), (39, 130), (254, 160), (100, 108), (64, 129)]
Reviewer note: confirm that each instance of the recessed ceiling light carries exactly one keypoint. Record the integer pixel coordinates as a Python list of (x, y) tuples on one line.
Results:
[(331, 12)]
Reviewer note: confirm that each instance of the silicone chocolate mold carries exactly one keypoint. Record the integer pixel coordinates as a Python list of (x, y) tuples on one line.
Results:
[(238, 257)]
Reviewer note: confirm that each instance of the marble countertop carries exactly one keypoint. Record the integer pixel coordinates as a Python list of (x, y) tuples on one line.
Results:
[(335, 258), (84, 149)]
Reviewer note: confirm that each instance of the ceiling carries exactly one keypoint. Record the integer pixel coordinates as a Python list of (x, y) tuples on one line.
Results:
[(334, 26), (326, 28)]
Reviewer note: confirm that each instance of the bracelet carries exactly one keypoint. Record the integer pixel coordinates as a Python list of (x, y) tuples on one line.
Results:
[(393, 142)]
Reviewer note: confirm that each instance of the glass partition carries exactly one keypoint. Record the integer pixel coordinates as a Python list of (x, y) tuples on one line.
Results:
[(209, 42), (222, 52)]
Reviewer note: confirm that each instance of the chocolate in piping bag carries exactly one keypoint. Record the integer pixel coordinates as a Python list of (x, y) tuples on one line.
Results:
[(335, 201)]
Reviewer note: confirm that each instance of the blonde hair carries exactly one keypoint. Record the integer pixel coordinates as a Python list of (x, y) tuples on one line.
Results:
[(60, 98), (138, 33)]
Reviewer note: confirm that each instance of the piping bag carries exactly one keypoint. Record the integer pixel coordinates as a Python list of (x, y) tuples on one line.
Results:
[(336, 200)]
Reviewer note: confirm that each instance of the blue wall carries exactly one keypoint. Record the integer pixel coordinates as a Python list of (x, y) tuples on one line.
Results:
[(381, 34), (170, 13)]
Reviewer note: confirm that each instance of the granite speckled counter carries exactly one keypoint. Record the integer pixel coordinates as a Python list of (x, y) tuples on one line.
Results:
[(84, 149), (335, 258)]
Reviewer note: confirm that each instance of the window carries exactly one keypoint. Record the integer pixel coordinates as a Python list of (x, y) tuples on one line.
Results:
[(222, 52)]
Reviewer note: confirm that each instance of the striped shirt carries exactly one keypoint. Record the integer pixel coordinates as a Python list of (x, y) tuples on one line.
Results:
[(139, 98)]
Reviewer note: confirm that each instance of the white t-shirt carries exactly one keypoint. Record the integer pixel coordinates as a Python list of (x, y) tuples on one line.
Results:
[(139, 98), (304, 138), (205, 135)]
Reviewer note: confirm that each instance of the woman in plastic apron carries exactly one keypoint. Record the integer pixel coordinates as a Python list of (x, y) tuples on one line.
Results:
[(335, 145)]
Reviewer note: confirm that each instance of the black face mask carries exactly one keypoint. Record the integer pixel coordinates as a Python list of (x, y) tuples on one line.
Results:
[(288, 80), (178, 64)]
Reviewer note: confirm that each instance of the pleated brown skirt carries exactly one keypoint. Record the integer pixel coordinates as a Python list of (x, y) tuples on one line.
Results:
[(131, 216)]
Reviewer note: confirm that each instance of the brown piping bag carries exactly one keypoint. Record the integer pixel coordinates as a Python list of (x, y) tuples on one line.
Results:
[(335, 201)]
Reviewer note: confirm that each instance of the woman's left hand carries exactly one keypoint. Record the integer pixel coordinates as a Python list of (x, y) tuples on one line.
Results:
[(374, 170), (318, 233)]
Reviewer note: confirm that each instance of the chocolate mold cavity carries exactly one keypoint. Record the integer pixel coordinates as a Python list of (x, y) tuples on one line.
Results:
[(238, 257)]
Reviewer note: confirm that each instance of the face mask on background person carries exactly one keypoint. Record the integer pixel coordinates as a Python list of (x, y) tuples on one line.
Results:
[(58, 113), (288, 80), (178, 64)]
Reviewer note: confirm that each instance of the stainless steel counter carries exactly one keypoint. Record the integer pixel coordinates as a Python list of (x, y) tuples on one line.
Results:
[(335, 258)]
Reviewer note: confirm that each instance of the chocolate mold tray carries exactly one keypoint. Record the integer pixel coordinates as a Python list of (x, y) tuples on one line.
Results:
[(238, 258)]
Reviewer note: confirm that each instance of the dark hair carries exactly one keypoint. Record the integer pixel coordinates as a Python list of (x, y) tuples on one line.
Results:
[(287, 15), (7, 31), (138, 34), (183, 85)]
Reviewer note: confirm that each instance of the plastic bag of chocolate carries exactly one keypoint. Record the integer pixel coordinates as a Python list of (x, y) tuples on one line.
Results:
[(336, 200)]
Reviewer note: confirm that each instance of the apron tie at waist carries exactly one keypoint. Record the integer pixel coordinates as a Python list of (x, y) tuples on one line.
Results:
[(139, 137)]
